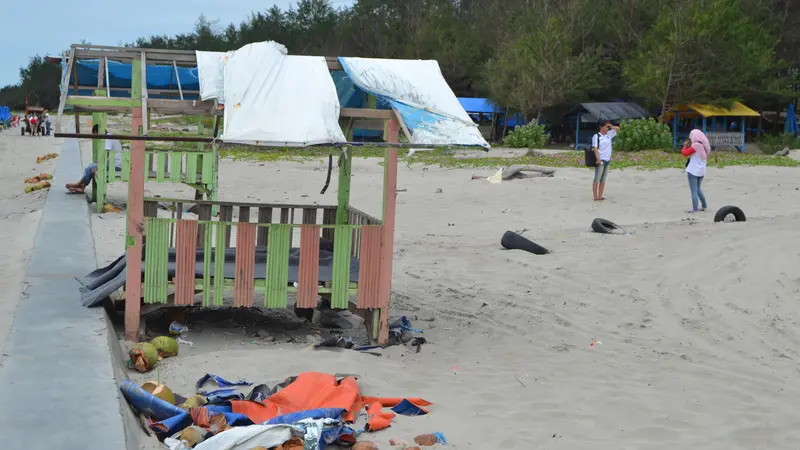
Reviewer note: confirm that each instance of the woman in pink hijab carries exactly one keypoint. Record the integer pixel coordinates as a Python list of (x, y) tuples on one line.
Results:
[(697, 150)]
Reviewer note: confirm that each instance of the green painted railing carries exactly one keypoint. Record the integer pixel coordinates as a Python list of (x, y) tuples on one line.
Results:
[(163, 215)]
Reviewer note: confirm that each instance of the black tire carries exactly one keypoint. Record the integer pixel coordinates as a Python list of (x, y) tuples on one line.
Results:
[(513, 241), (604, 226), (725, 211)]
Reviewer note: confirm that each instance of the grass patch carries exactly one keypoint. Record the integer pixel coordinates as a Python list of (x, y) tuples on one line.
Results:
[(646, 160), (207, 121)]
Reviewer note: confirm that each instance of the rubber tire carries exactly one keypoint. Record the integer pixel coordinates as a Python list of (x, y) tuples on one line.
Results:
[(604, 226), (723, 212), (513, 241)]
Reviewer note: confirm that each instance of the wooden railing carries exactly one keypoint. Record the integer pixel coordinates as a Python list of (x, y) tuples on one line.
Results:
[(255, 238)]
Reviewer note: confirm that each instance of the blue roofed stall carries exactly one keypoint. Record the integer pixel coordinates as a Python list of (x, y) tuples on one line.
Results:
[(593, 113)]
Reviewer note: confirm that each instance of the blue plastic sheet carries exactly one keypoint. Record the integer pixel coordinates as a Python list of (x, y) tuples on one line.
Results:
[(404, 324), (221, 382), (407, 408), (119, 76)]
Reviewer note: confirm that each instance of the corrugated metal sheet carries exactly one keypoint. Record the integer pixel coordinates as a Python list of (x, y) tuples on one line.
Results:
[(369, 268), (220, 231), (277, 282), (244, 286), (156, 259), (185, 255), (340, 282), (308, 272), (615, 110)]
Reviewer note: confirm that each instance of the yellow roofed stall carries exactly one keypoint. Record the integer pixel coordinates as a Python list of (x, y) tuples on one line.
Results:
[(725, 127)]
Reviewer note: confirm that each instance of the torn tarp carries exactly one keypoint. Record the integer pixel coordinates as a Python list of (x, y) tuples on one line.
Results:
[(275, 99), (417, 90)]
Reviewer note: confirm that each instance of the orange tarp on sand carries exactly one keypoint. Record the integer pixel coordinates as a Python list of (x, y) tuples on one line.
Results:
[(313, 390)]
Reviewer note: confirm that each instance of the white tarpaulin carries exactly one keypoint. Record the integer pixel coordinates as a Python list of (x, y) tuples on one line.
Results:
[(419, 92), (274, 99), (211, 72)]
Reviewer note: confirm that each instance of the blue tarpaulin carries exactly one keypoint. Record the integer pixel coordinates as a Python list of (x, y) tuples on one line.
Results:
[(119, 76), (791, 127), (479, 105), (5, 114)]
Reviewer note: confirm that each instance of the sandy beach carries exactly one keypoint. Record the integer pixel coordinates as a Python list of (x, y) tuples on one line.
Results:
[(696, 321), (19, 214)]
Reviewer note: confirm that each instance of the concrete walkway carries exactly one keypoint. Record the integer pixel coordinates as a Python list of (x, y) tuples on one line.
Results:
[(57, 386)]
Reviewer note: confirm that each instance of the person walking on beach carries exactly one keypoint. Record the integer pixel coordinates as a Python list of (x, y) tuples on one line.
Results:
[(601, 146), (697, 149)]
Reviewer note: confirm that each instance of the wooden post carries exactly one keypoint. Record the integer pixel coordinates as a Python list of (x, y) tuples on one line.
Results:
[(675, 122), (743, 133), (135, 223), (100, 156), (577, 130), (345, 170), (75, 84), (387, 238)]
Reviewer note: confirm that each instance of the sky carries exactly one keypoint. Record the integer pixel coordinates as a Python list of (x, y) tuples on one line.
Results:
[(60, 23)]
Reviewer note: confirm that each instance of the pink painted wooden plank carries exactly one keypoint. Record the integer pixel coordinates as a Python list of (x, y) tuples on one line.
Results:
[(185, 260), (308, 272), (133, 280), (370, 269), (243, 285), (387, 244)]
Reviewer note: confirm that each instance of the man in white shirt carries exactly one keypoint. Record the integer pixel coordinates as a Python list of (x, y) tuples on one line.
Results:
[(601, 145), (112, 146)]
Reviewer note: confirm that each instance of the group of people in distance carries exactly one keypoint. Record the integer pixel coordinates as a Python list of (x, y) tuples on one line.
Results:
[(696, 149), (33, 123)]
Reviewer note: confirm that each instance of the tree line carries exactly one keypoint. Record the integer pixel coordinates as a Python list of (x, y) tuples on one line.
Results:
[(536, 57)]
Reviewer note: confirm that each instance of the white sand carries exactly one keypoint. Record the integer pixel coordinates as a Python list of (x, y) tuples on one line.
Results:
[(19, 214), (697, 320)]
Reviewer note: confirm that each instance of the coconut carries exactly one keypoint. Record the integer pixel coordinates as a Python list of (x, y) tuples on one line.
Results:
[(194, 401), (144, 356), (160, 390), (166, 346)]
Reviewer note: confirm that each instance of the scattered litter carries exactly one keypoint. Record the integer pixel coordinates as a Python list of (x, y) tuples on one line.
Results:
[(221, 382), (314, 408), (398, 443), (43, 158), (439, 191), (406, 408), (428, 440), (595, 343), (176, 328), (184, 342)]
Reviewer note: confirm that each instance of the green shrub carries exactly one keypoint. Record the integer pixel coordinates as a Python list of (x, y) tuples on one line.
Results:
[(643, 134), (770, 144), (531, 135)]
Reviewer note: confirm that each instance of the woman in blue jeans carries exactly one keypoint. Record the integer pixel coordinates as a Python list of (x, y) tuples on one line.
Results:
[(697, 149)]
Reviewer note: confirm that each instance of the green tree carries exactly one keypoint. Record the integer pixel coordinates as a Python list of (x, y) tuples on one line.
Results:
[(541, 68), (709, 51)]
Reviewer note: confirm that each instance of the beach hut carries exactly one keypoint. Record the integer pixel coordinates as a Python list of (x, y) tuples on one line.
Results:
[(592, 113), (343, 255), (725, 127), (482, 110)]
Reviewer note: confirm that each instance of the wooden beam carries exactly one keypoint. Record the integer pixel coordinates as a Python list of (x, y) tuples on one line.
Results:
[(402, 123), (149, 91), (154, 56), (145, 111), (366, 113), (333, 63), (75, 85), (100, 76), (178, 76), (64, 89)]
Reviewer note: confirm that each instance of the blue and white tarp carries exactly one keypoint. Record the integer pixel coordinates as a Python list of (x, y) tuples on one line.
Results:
[(273, 99), (419, 92)]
